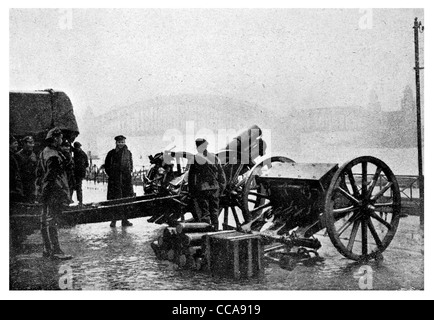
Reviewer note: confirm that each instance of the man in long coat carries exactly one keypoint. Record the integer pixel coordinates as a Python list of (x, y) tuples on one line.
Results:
[(119, 165)]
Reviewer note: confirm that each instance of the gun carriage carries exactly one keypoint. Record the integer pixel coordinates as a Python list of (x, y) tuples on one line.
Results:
[(357, 204)]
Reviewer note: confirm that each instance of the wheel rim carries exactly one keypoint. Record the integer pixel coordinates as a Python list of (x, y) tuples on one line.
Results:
[(256, 198), (362, 208)]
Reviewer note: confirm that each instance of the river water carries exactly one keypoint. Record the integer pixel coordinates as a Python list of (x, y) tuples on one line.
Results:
[(122, 259)]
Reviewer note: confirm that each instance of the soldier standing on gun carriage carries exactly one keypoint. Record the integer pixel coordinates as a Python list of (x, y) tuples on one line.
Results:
[(206, 180), (54, 192)]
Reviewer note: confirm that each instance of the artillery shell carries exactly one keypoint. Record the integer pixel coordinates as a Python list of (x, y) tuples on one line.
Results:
[(193, 227), (192, 239)]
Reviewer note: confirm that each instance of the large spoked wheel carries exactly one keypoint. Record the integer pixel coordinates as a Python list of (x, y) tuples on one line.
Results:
[(231, 203), (256, 197), (362, 207)]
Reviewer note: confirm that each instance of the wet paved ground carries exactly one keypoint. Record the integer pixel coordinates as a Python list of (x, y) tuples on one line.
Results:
[(122, 259)]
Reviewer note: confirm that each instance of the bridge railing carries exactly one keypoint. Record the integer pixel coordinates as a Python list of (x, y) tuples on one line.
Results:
[(409, 188)]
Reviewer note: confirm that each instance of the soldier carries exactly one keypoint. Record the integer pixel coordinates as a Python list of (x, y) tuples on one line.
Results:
[(53, 185), (69, 167), (206, 180), (119, 165), (15, 183), (28, 161), (81, 162)]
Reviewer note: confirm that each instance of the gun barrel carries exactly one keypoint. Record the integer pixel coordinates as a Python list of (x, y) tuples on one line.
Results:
[(248, 141)]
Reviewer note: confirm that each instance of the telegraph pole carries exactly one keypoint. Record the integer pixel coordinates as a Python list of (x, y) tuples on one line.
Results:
[(419, 28)]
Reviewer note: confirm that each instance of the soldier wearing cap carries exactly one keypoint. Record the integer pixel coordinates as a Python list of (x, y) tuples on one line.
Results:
[(28, 161), (54, 193), (81, 162), (15, 182), (119, 165), (206, 181)]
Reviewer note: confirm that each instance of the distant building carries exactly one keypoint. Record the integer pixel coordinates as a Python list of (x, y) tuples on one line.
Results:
[(359, 126)]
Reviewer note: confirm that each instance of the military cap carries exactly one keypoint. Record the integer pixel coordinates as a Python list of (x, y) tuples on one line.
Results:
[(55, 132), (28, 139), (120, 137), (201, 141), (77, 144)]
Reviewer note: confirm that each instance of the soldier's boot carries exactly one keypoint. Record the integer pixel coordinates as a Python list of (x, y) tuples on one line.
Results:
[(57, 253), (126, 223), (113, 224), (80, 199), (48, 249)]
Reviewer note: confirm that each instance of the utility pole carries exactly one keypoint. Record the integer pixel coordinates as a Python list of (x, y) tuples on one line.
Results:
[(419, 28)]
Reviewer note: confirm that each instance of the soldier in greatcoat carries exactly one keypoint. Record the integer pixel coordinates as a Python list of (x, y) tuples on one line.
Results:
[(119, 167)]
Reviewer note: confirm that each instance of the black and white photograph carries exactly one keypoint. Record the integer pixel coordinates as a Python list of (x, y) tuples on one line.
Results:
[(222, 149)]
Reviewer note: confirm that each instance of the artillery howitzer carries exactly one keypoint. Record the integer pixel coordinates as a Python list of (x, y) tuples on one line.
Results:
[(287, 203)]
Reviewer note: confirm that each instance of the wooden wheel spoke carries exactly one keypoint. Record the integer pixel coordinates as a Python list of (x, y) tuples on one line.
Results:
[(382, 192), (353, 236), (350, 221), (364, 237), (364, 179), (342, 212), (381, 220), (374, 181), (348, 196), (226, 217), (374, 234), (353, 183), (259, 195), (235, 214)]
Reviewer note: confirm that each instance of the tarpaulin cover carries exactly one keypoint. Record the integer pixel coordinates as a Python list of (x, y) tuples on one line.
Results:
[(34, 112)]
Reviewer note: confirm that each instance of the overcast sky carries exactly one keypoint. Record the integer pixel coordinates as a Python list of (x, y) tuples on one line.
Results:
[(276, 58)]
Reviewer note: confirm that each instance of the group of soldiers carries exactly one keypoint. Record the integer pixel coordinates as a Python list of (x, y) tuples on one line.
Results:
[(49, 179), (52, 177), (206, 180)]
